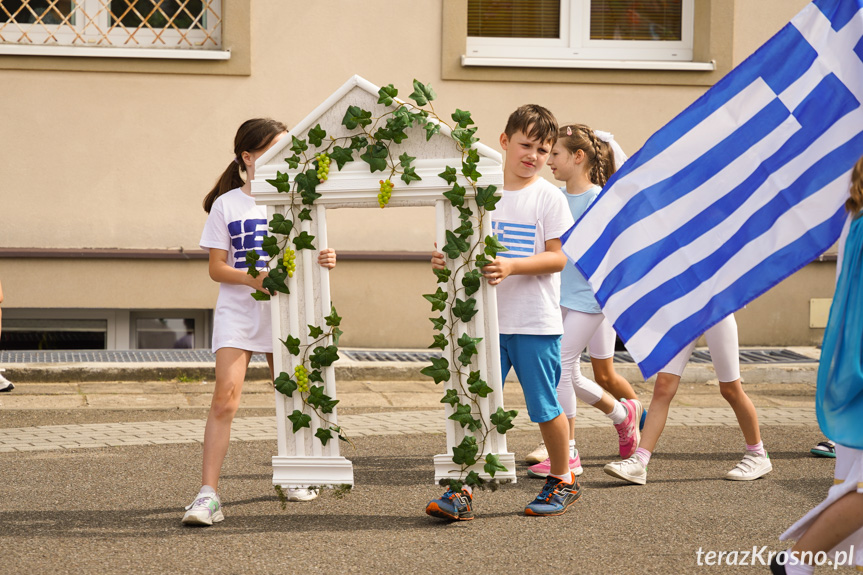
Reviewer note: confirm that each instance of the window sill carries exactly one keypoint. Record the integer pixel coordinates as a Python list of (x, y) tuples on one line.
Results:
[(100, 52), (467, 61)]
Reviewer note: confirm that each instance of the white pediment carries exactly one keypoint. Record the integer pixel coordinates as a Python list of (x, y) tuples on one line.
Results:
[(354, 184)]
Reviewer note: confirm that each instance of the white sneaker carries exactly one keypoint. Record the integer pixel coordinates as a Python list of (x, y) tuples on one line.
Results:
[(538, 455), (205, 510), (301, 494), (5, 384), (752, 466), (631, 470)]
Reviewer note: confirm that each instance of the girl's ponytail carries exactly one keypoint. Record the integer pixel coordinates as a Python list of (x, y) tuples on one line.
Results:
[(229, 180), (252, 136)]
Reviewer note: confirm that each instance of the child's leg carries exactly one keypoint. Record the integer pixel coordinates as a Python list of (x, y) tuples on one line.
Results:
[(602, 359), (725, 353), (231, 365), (555, 434), (579, 329), (667, 382)]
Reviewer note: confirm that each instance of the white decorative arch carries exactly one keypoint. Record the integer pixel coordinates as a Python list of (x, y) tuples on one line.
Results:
[(302, 460)]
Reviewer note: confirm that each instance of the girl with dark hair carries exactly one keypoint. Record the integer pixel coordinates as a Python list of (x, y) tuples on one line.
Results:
[(241, 324)]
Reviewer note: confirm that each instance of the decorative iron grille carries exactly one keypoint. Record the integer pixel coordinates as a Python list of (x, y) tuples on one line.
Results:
[(118, 23)]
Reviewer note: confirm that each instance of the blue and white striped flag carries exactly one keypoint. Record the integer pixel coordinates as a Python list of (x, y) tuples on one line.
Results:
[(738, 192)]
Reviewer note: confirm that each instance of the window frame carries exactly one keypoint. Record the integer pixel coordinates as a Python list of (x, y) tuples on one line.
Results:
[(575, 44)]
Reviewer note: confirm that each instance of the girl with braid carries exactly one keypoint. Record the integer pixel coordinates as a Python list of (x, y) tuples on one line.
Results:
[(585, 159)]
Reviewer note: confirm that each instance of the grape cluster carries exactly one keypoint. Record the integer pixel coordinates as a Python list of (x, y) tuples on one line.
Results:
[(289, 259), (323, 167), (385, 193), (302, 378)]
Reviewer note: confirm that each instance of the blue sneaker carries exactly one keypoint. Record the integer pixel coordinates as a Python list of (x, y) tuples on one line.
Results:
[(643, 419), (452, 506), (555, 497)]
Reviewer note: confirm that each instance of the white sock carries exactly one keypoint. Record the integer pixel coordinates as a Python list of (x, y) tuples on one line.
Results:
[(758, 448), (206, 490), (572, 448), (467, 488), (568, 478), (618, 413)]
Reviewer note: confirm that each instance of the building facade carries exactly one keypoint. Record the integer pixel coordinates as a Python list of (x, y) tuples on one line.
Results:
[(121, 114)]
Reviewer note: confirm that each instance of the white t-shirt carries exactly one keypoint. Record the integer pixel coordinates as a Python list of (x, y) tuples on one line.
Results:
[(237, 224), (523, 221)]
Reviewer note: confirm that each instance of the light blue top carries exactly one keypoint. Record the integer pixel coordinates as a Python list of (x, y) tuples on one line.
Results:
[(575, 292)]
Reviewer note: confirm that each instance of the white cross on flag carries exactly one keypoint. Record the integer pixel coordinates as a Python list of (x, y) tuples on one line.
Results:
[(738, 192)]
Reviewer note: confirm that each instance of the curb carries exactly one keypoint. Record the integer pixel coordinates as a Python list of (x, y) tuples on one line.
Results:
[(367, 371)]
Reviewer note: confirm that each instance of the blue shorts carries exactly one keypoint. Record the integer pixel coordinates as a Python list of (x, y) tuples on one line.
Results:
[(536, 359)]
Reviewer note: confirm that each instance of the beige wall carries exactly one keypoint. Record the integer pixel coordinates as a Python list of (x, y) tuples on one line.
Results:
[(123, 160)]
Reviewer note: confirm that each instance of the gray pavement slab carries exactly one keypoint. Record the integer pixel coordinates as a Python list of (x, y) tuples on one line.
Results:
[(118, 509)]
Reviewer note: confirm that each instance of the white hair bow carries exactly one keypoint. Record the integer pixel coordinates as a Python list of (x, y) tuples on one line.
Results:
[(608, 138)]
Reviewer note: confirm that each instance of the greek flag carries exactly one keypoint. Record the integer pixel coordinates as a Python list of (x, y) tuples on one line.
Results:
[(738, 192)]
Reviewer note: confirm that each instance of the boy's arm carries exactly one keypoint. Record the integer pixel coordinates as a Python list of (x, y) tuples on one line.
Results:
[(548, 262)]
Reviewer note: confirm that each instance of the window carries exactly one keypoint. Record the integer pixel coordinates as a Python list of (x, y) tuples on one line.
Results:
[(36, 334), (569, 33), (193, 26)]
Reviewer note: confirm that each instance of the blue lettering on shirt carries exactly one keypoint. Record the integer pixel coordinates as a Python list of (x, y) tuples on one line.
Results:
[(248, 235), (519, 239)]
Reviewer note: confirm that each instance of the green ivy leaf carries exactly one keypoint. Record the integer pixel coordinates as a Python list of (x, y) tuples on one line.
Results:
[(376, 157), (493, 246), (455, 195), (292, 344), (450, 397), (252, 257), (306, 184), (410, 175), (280, 225), (465, 213), (300, 420), (465, 452), (298, 146), (359, 142), (317, 135), (454, 245), (406, 160), (260, 296), (334, 319), (465, 136), (431, 129), (304, 241), (305, 214), (395, 129), (482, 261), (468, 348), (285, 385), (342, 155), (477, 385), (449, 175), (317, 398), (492, 464), (422, 94), (474, 480), (438, 370), (469, 171), (324, 356), (315, 375), (356, 116), (337, 333), (386, 95), (438, 322), (442, 275), (325, 435), (464, 310), (485, 197), (440, 341), (463, 416), (471, 282), (437, 299), (293, 161), (315, 332), (462, 118), (282, 183), (275, 281), (270, 245), (502, 420), (465, 230)]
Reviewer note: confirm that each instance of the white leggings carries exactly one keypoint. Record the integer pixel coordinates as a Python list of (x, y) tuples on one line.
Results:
[(724, 352), (580, 330)]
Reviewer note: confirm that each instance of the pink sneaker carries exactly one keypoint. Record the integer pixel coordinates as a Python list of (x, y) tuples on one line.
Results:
[(628, 433), (543, 468)]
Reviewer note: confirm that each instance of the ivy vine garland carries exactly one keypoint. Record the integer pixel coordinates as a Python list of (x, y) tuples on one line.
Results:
[(372, 144)]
